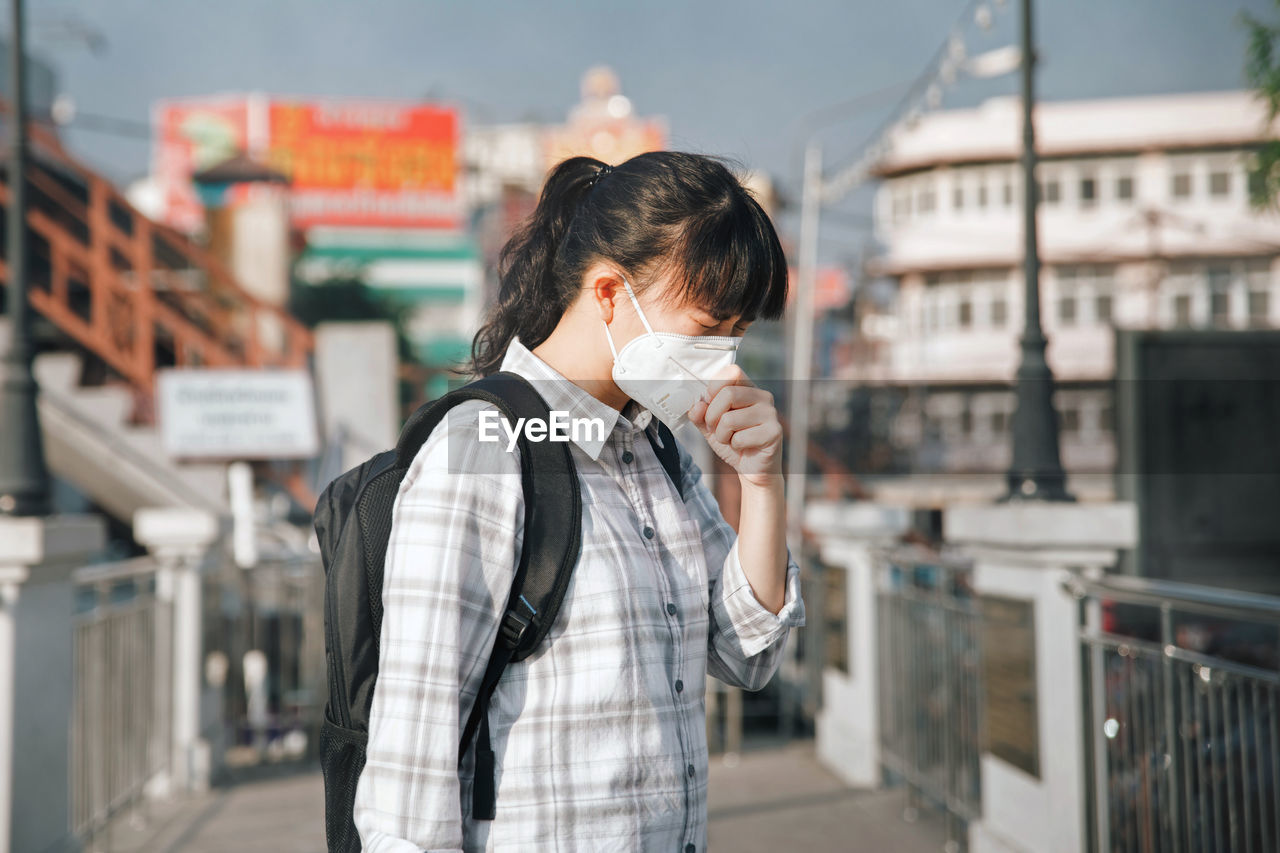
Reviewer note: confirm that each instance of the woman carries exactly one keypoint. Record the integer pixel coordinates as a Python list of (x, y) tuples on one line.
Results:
[(599, 735)]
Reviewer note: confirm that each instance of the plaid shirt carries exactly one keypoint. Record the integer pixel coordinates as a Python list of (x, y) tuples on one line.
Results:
[(600, 734)]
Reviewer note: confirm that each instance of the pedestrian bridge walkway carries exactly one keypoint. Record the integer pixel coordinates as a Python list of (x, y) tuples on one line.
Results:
[(777, 798)]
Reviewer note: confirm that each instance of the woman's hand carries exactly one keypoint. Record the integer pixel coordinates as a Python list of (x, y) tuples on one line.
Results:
[(741, 425)]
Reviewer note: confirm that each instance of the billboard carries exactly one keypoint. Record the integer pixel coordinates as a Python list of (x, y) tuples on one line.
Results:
[(351, 162), (193, 135)]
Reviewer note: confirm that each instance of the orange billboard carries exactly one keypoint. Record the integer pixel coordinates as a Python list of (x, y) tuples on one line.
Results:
[(367, 162), (350, 162)]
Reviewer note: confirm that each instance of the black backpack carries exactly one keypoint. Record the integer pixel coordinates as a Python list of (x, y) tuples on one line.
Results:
[(353, 526)]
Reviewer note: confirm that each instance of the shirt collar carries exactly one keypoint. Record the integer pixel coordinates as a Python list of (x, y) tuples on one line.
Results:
[(562, 394)]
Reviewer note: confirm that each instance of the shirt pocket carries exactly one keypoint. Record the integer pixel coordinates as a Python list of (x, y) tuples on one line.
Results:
[(688, 550)]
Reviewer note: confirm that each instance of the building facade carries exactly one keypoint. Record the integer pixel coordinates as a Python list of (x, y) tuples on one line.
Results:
[(1145, 222)]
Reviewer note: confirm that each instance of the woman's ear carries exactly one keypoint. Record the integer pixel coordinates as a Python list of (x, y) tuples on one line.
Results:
[(604, 288)]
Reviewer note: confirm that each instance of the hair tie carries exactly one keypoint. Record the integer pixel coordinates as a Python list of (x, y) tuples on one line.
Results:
[(600, 173)]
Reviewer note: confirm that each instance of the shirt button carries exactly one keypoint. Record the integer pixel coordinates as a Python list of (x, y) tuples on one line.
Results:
[(648, 532), (679, 685), (690, 769), (671, 609), (628, 457)]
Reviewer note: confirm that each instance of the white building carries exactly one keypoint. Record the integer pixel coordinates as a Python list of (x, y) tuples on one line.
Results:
[(1144, 222)]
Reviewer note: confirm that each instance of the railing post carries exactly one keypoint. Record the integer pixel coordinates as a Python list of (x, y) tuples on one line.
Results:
[(180, 538), (1170, 733), (144, 330), (1023, 554), (100, 272), (848, 724), (36, 663)]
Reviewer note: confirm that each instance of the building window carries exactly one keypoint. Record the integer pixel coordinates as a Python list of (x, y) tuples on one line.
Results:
[(899, 207), (1257, 276), (1259, 307), (926, 201), (1088, 191), (1220, 296), (1124, 188), (1257, 184), (1007, 193), (1069, 418), (957, 198), (999, 311), (1102, 307), (965, 313), (1219, 183), (966, 421), (1181, 185), (1107, 418), (999, 422), (1182, 310), (1051, 191), (982, 194), (1067, 309)]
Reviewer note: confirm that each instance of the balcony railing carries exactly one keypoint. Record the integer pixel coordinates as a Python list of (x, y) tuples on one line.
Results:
[(1182, 710), (929, 683), (121, 693)]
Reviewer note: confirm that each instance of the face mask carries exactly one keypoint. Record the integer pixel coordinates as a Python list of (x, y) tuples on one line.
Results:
[(665, 372)]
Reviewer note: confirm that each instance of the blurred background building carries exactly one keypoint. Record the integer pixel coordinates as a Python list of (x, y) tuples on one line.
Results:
[(1146, 223)]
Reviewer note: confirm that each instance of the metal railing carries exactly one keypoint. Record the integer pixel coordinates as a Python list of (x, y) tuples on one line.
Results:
[(276, 608), (120, 725), (1181, 710), (929, 683)]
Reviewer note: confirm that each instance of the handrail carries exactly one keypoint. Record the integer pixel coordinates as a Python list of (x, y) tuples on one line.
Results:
[(916, 555), (97, 573), (118, 255), (1174, 652), (121, 449), (1185, 597)]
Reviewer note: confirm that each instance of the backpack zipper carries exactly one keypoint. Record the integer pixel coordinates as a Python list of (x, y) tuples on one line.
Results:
[(335, 664)]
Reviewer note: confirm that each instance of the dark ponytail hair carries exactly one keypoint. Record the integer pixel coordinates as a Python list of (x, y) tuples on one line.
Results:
[(659, 211)]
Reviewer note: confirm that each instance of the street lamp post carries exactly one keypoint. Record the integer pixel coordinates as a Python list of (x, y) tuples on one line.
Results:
[(1036, 471), (802, 342), (800, 376), (24, 479), (801, 349)]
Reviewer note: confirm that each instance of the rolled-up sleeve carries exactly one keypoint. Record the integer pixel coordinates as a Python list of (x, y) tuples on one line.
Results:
[(456, 530), (745, 641)]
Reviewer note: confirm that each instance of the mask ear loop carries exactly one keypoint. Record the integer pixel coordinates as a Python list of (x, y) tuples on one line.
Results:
[(609, 337), (636, 303)]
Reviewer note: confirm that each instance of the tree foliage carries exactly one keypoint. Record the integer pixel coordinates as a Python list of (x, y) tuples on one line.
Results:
[(1262, 72)]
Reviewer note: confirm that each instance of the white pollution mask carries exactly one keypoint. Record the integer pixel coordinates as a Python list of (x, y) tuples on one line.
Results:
[(665, 372)]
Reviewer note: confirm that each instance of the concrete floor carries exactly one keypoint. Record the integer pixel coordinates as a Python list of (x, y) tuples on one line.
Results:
[(772, 799)]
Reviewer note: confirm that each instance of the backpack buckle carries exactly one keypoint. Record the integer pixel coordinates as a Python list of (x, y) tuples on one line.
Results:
[(515, 625)]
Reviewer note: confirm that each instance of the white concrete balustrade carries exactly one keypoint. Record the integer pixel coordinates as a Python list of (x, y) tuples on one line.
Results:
[(37, 557), (848, 735), (1027, 552), (1022, 556)]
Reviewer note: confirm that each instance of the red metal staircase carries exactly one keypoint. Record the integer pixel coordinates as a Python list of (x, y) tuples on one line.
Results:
[(139, 295)]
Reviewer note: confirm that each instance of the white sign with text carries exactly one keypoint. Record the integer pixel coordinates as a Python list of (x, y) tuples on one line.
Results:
[(237, 413)]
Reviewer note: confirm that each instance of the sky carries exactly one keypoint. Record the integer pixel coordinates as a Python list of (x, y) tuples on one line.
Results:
[(732, 78)]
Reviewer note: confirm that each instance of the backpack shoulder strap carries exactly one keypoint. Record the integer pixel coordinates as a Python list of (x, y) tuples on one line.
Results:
[(551, 544), (668, 454)]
